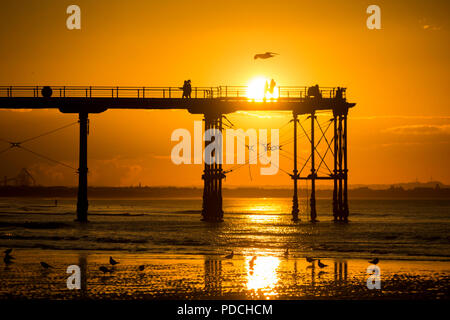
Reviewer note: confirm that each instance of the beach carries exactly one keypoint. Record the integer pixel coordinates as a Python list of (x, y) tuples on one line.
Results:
[(212, 277), (184, 258)]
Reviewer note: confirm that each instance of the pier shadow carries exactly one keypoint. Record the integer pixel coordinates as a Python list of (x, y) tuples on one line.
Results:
[(213, 277)]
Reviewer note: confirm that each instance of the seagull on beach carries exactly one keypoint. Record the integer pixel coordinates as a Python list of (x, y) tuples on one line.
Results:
[(112, 261), (321, 265), (310, 260), (252, 262), (105, 269), (45, 265), (374, 261), (230, 256), (266, 55), (8, 259)]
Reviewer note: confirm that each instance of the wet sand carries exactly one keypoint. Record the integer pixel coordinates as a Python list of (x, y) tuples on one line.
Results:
[(214, 277)]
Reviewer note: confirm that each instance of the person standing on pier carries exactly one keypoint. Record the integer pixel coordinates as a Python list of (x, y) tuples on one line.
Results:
[(314, 92), (188, 89), (272, 86), (184, 87)]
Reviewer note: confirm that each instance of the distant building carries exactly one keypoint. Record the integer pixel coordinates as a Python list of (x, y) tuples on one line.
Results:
[(23, 179)]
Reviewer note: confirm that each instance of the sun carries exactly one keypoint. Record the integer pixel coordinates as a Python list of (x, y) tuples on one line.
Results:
[(258, 89)]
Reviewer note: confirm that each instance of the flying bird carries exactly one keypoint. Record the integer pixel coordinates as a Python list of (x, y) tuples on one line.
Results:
[(374, 261), (266, 55), (321, 265), (230, 256), (112, 261), (45, 265), (104, 269)]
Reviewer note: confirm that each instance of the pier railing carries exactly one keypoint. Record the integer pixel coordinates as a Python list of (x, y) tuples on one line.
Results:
[(221, 92)]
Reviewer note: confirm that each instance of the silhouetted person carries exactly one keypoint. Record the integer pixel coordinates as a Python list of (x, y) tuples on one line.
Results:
[(272, 86), (189, 89), (184, 87), (339, 93), (314, 92)]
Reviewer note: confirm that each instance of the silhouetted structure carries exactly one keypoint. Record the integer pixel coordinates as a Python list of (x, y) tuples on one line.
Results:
[(213, 277), (213, 103), (23, 179)]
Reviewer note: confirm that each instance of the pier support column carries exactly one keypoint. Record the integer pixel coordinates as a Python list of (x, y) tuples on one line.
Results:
[(295, 175), (82, 202), (313, 172), (335, 171), (345, 210), (213, 172), (340, 168)]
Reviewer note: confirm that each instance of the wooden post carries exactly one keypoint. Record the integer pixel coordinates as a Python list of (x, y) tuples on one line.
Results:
[(82, 201)]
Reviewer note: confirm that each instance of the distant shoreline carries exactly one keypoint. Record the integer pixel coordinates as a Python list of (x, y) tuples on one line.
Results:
[(196, 192)]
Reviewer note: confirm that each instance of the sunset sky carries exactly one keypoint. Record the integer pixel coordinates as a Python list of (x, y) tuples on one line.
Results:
[(399, 130)]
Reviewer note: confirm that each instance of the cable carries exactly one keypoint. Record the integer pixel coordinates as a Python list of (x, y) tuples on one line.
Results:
[(49, 132), (47, 158), (4, 150), (19, 145)]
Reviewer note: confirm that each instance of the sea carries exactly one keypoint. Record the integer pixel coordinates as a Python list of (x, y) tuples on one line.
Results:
[(390, 229)]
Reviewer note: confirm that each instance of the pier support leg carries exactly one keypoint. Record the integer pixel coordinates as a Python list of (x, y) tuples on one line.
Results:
[(313, 172), (340, 168), (295, 175), (345, 210), (82, 201), (213, 173), (335, 171)]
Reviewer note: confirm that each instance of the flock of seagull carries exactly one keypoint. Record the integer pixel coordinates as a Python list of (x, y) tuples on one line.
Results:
[(113, 262), (8, 259), (286, 255)]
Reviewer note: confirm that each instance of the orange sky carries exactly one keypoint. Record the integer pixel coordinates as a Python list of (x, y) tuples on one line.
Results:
[(398, 76)]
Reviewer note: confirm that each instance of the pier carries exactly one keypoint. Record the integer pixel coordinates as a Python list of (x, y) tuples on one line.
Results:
[(213, 103)]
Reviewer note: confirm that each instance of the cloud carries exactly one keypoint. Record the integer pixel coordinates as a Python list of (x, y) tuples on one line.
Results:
[(116, 171), (420, 129), (161, 157)]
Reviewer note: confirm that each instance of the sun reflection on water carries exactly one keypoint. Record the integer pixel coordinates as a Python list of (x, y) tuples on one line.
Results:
[(262, 274)]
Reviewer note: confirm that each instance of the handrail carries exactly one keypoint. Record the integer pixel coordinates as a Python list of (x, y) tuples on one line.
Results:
[(221, 92)]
